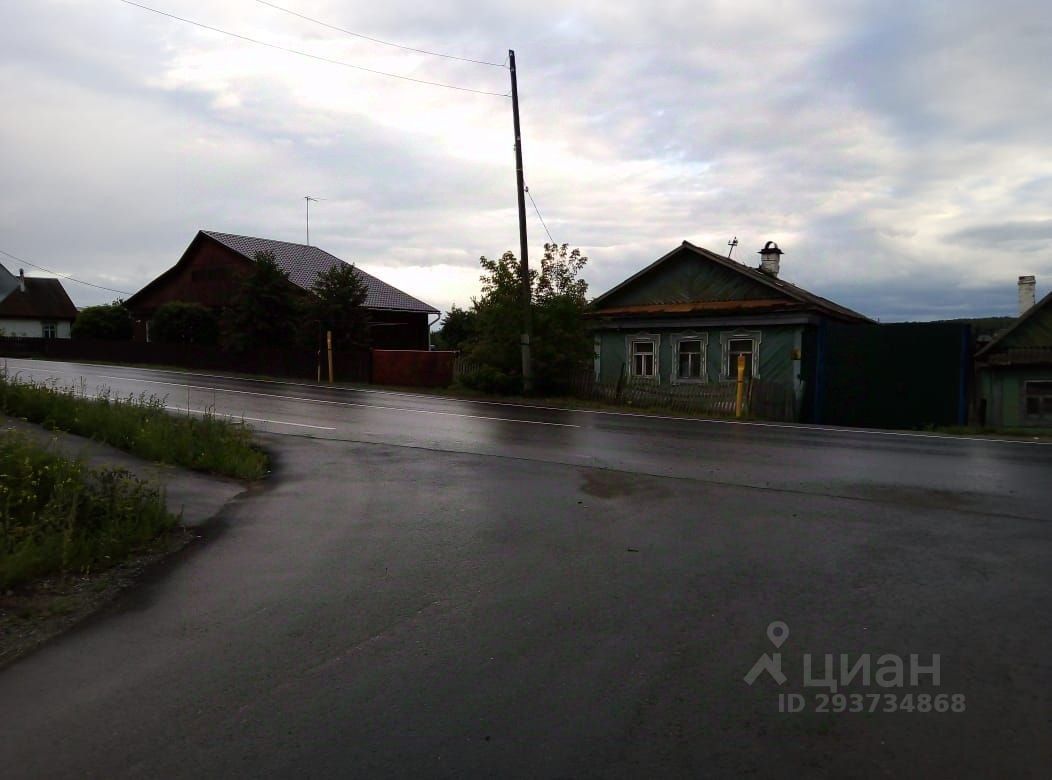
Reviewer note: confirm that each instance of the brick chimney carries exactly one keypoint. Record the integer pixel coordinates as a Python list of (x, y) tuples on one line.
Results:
[(770, 259), (1027, 294)]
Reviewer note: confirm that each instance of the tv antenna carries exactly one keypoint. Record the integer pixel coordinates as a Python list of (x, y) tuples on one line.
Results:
[(308, 199), (732, 243)]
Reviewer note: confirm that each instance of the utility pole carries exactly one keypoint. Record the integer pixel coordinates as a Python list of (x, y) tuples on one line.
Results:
[(524, 260), (308, 198)]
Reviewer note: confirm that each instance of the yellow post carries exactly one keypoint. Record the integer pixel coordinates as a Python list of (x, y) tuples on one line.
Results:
[(328, 342), (741, 387)]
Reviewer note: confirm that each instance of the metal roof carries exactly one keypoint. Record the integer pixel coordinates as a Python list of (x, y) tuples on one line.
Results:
[(793, 292), (303, 263)]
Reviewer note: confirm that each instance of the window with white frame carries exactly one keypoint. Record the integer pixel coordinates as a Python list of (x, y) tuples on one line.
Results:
[(746, 344), (49, 329), (690, 351), (644, 356)]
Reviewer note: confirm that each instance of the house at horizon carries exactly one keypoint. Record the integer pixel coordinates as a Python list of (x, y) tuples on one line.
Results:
[(212, 267), (686, 318), (34, 307)]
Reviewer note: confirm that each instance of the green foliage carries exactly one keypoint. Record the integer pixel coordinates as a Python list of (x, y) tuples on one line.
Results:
[(458, 328), (111, 322), (139, 425), (338, 305), (57, 515), (180, 322), (266, 311), (560, 345)]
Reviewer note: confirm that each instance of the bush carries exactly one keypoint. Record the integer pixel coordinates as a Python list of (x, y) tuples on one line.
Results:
[(112, 322), (57, 515), (179, 322), (140, 425), (487, 379)]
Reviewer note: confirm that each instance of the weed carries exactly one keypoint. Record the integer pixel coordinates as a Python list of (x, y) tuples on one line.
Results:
[(58, 515), (137, 424)]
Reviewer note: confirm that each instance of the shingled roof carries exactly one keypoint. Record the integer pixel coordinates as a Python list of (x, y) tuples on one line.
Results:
[(43, 299), (303, 263)]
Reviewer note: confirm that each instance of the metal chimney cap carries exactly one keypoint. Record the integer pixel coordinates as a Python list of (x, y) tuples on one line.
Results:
[(770, 248), (1027, 280)]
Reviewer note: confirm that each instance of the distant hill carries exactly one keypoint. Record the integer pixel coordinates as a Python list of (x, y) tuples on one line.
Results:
[(985, 326)]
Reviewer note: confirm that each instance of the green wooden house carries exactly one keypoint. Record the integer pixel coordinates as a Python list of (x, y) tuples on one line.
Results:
[(686, 317), (1014, 371)]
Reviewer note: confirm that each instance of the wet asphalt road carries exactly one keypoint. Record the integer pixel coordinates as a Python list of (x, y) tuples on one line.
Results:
[(432, 587)]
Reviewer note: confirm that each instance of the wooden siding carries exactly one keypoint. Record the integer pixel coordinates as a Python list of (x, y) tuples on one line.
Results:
[(776, 352), (1035, 332), (209, 274), (687, 278)]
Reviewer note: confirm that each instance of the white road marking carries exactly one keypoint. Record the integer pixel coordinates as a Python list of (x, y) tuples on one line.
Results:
[(253, 419), (335, 403), (752, 423)]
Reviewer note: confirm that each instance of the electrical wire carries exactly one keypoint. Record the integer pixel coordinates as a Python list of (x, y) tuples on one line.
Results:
[(307, 54), (63, 276), (539, 215), (375, 40)]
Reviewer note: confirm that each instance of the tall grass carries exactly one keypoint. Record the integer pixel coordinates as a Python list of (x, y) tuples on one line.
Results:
[(139, 425), (58, 515)]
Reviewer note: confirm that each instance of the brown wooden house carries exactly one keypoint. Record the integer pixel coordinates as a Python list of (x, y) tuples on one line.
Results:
[(212, 268)]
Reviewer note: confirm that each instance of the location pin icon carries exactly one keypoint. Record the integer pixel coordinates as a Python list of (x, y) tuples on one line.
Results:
[(777, 632)]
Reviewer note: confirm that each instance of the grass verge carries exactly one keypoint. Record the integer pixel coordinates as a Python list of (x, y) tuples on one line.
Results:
[(59, 516), (139, 425)]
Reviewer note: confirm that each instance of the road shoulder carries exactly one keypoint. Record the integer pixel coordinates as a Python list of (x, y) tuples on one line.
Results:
[(32, 615)]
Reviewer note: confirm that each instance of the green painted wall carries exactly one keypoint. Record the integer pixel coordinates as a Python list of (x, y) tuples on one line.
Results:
[(776, 349), (1002, 389), (686, 277)]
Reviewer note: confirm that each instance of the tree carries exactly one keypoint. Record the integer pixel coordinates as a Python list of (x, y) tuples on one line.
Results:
[(560, 343), (563, 343), (338, 305), (111, 322), (179, 322), (266, 312), (458, 328)]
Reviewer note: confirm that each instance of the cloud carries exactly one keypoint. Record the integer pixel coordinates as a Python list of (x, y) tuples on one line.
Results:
[(1005, 233), (889, 150)]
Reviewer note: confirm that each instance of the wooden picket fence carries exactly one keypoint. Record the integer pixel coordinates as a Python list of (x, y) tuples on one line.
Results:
[(764, 400)]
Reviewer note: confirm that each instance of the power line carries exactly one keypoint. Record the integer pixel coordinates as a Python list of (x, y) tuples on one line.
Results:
[(63, 276), (539, 216), (307, 54), (375, 40)]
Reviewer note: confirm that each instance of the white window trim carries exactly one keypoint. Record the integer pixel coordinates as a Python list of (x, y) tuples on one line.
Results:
[(690, 335), (653, 338), (725, 339)]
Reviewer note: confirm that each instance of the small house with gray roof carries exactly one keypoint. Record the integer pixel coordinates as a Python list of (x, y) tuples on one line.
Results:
[(686, 317), (212, 268)]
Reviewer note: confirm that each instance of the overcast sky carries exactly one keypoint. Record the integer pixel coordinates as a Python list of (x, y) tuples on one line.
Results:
[(899, 153)]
